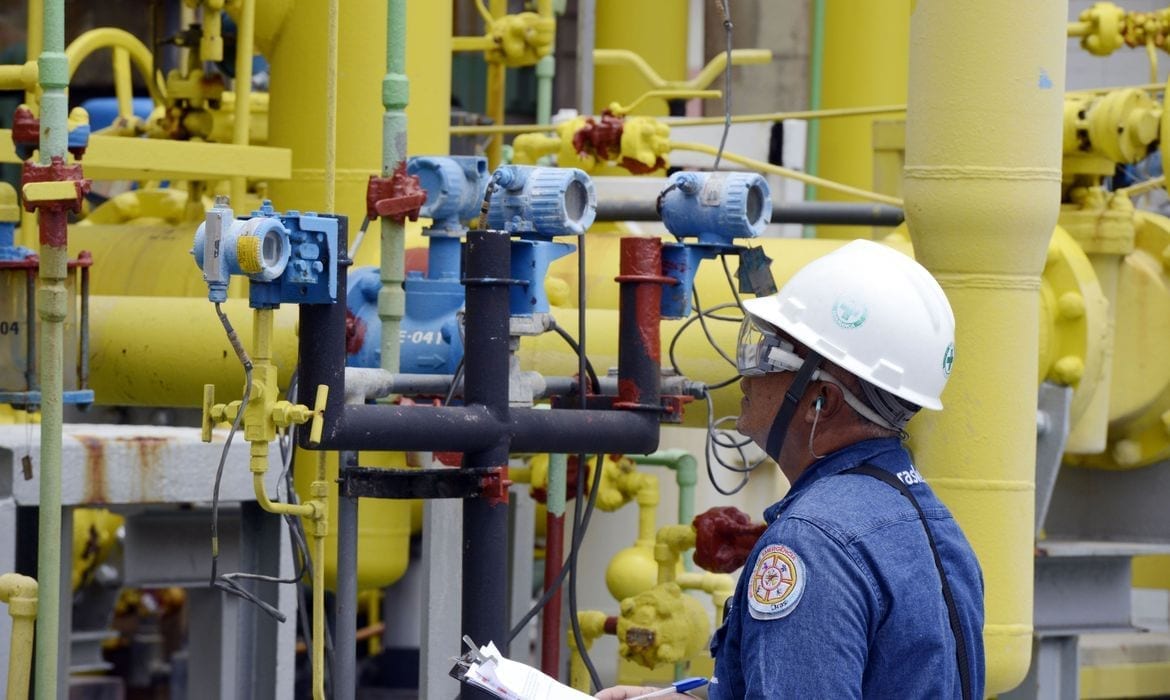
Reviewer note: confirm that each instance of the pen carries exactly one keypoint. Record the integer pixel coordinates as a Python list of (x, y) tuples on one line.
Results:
[(677, 687)]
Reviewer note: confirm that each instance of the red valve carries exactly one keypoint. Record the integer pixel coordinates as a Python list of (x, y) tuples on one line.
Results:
[(724, 538), (398, 197)]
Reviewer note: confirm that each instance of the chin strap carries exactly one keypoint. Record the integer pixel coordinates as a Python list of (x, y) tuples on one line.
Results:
[(804, 375)]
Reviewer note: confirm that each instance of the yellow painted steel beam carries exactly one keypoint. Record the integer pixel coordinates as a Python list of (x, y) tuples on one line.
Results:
[(1125, 681), (117, 158)]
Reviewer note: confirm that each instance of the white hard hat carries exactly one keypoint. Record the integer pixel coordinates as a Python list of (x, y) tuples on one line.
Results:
[(874, 312)]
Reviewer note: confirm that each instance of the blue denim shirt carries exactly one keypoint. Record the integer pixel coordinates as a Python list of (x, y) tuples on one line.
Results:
[(849, 592)]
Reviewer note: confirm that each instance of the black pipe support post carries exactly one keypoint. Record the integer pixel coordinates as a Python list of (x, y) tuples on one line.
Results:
[(486, 429), (487, 266)]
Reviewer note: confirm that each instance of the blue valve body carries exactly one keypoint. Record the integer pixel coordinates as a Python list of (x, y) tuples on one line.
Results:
[(289, 258), (716, 207), (538, 202), (455, 187)]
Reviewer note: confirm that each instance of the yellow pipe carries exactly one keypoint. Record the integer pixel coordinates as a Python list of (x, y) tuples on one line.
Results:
[(320, 490), (657, 30), (242, 116), (719, 586), (290, 35), (497, 78), (865, 54), (763, 167), (669, 544), (20, 592), (981, 212), (694, 121), (123, 83), (259, 430), (592, 623), (706, 76), (35, 36), (109, 37)]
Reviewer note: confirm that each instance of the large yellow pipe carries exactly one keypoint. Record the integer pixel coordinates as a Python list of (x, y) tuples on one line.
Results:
[(980, 212), (656, 30), (293, 43), (866, 49)]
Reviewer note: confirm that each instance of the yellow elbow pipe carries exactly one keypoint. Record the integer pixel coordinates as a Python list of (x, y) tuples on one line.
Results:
[(669, 544), (20, 592), (592, 623), (980, 213), (109, 37)]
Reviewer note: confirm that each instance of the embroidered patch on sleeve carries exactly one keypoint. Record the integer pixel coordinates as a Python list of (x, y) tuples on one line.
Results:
[(777, 583)]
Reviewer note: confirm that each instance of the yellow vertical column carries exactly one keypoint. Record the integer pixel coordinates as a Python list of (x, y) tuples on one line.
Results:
[(867, 47), (981, 211), (654, 29), (293, 43)]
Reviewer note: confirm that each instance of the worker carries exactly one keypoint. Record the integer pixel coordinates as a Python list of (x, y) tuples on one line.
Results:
[(862, 585)]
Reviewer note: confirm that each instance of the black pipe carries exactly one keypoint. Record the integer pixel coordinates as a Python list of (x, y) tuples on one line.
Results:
[(571, 431), (321, 348), (487, 267), (474, 429), (826, 213)]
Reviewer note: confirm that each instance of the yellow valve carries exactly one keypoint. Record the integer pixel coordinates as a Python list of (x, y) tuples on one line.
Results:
[(1118, 126), (50, 191), (208, 404), (527, 149), (286, 413), (1100, 28), (521, 39), (646, 140), (318, 424), (661, 626)]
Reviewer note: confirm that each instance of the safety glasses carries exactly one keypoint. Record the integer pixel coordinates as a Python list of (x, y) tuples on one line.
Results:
[(761, 351)]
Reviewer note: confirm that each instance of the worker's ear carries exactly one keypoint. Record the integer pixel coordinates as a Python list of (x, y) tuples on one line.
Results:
[(827, 401)]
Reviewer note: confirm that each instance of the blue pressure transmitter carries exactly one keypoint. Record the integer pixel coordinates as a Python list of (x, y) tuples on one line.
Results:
[(714, 209)]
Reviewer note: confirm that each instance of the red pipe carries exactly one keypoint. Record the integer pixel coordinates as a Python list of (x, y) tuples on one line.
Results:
[(550, 623)]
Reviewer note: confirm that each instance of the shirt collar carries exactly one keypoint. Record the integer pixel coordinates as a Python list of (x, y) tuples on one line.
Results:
[(881, 452)]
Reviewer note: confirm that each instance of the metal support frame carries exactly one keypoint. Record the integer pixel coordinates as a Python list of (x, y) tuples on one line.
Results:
[(487, 429)]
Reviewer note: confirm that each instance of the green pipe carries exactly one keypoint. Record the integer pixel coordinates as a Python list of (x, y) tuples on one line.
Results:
[(53, 72), (395, 95), (686, 475), (816, 78), (546, 69)]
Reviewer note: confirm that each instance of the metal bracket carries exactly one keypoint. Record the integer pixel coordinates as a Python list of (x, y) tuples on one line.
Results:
[(370, 482), (1052, 426)]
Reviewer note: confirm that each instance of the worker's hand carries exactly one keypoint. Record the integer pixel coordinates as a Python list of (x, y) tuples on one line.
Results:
[(622, 692)]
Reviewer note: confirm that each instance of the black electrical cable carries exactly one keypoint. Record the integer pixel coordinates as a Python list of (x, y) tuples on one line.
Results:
[(708, 449), (725, 5), (361, 234), (574, 546), (577, 349), (455, 379), (577, 516), (697, 317), (228, 582), (730, 280)]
